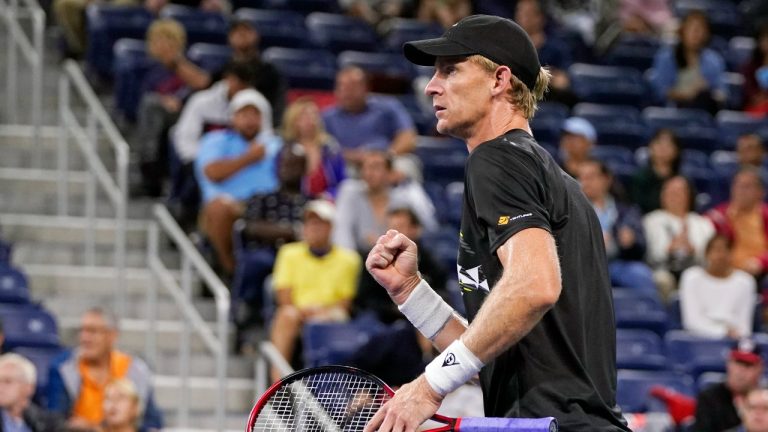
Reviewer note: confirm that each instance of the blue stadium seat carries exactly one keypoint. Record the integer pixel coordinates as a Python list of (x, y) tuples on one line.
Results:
[(633, 387), (379, 64), (547, 130), (444, 244), (335, 343), (6, 250), (637, 310), (29, 326), (425, 120), (711, 188), (608, 84), (14, 287), (633, 51), (725, 163), (690, 158), (201, 26), (694, 355), (341, 33), (303, 6), (403, 30), (734, 85), (708, 379), (436, 193), (724, 17), (454, 194), (694, 128), (131, 63), (304, 68), (41, 357), (106, 25), (283, 28), (639, 349), (674, 314), (210, 57), (616, 125), (443, 158), (613, 155), (740, 50), (733, 124), (552, 110)]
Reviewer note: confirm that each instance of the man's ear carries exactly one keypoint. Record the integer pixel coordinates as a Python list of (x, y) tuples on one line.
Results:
[(502, 80)]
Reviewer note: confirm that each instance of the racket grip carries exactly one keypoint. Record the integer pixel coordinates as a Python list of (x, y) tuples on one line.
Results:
[(481, 424)]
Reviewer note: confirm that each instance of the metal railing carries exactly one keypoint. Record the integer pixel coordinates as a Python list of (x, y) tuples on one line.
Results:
[(86, 137), (12, 12), (214, 341)]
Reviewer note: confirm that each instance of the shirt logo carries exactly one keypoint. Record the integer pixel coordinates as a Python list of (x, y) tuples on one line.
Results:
[(503, 220), (450, 360)]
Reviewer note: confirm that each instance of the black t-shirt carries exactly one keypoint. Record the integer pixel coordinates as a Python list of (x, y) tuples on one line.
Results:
[(566, 366), (715, 411)]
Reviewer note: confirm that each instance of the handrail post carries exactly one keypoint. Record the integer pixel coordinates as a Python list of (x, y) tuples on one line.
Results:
[(121, 210), (222, 307), (38, 28), (11, 93), (184, 360), (153, 242), (90, 196), (63, 151)]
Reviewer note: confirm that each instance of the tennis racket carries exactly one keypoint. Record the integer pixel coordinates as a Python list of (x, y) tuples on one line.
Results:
[(345, 399)]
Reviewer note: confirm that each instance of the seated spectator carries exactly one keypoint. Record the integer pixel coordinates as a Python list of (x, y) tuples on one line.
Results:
[(314, 279), (78, 378), (663, 163), (17, 386), (162, 95), (378, 12), (756, 75), (362, 205), (576, 142), (690, 75), (750, 151), (122, 406), (232, 166), (360, 121), (646, 17), (717, 300), (744, 219), (303, 125), (444, 12), (622, 229), (676, 234), (754, 411), (717, 407)]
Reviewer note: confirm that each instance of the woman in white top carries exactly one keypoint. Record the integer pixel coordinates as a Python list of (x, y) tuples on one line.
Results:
[(718, 300), (676, 235)]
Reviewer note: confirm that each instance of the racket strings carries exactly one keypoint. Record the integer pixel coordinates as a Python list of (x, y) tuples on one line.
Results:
[(323, 402)]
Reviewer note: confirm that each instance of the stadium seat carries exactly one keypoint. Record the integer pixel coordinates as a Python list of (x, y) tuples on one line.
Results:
[(709, 378), (613, 155), (304, 68), (552, 110), (608, 84), (633, 51), (41, 358), (616, 125), (14, 287), (303, 6), (639, 349), (694, 128), (425, 120), (387, 72), (733, 124), (341, 33), (635, 309), (402, 30), (740, 50), (29, 326), (131, 62), (443, 244), (454, 194), (201, 26), (734, 85), (443, 158), (335, 343), (106, 25), (690, 158), (724, 17), (711, 189), (210, 57), (436, 193), (725, 163), (283, 28), (694, 355), (674, 314), (633, 389), (6, 250)]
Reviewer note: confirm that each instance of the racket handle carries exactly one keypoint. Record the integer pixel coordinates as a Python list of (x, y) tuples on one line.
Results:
[(481, 424)]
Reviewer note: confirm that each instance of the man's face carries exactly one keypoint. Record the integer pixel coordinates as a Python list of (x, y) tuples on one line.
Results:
[(528, 15), (292, 168), (575, 146), (746, 190), (243, 39), (374, 171), (756, 411), (461, 95), (14, 389), (750, 150), (247, 122), (351, 90), (742, 377), (317, 232), (96, 338)]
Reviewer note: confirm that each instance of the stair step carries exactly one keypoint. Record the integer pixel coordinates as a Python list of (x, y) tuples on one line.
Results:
[(167, 363), (50, 281), (203, 393), (70, 229), (136, 307)]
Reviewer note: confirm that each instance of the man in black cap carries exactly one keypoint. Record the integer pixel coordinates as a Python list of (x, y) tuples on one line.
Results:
[(532, 265)]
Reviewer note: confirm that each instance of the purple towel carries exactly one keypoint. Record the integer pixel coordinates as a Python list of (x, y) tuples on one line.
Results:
[(480, 424)]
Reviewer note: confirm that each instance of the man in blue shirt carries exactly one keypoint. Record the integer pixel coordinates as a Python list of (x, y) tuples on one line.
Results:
[(232, 166)]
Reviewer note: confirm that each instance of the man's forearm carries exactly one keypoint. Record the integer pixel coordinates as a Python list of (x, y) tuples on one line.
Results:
[(225, 168)]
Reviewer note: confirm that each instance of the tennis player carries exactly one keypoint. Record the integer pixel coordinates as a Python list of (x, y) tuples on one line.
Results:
[(531, 260)]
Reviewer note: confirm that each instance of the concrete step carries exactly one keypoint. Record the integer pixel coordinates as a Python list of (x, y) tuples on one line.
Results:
[(53, 281), (47, 204), (70, 230), (21, 151), (204, 365), (74, 305), (71, 254), (203, 393)]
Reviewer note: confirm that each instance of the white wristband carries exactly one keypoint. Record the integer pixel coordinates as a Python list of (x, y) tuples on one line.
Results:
[(453, 367), (426, 310)]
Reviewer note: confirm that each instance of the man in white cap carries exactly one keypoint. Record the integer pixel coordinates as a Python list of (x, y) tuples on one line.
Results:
[(576, 142), (314, 280), (232, 166)]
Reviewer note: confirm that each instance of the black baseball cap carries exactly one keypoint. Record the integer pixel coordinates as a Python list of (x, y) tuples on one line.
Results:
[(498, 39)]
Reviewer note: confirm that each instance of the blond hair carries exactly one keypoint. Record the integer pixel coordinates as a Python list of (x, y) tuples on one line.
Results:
[(291, 116), (126, 387), (519, 94), (25, 367), (167, 28)]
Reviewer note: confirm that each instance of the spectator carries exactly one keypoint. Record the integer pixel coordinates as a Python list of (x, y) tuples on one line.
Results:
[(744, 219), (717, 406), (750, 151), (756, 75), (79, 377), (576, 142), (314, 279), (17, 386), (717, 300), (232, 166), (444, 12), (162, 95), (754, 412), (360, 121), (302, 124), (363, 204), (663, 163), (690, 75), (646, 17), (622, 229), (676, 234), (378, 12), (122, 406), (2, 336)]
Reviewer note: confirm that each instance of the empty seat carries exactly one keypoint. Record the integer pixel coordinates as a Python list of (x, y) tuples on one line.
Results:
[(378, 64), (41, 358), (725, 163), (734, 84), (708, 379), (425, 120), (633, 389), (443, 244), (282, 28), (341, 33), (638, 310), (616, 125), (733, 124), (14, 287), (403, 30), (740, 50), (304, 68), (552, 110), (131, 63), (694, 354), (694, 128), (201, 26), (106, 25), (303, 6), (633, 51), (639, 349), (29, 326), (443, 158), (608, 84), (547, 129), (613, 155), (335, 343), (724, 16), (211, 57), (454, 194), (5, 253)]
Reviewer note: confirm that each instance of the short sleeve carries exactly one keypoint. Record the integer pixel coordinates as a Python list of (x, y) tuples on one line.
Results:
[(507, 191), (281, 274), (213, 147)]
